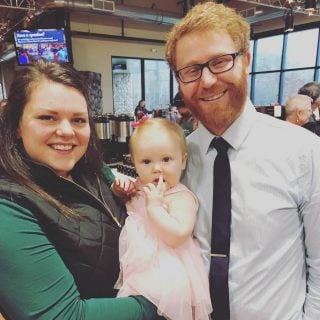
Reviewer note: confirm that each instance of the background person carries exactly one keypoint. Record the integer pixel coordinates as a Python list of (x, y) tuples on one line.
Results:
[(141, 110), (274, 257), (186, 119), (312, 90), (3, 103), (23, 56), (60, 223), (298, 109), (158, 256)]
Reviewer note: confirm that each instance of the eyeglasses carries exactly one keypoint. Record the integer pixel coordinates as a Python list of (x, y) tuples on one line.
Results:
[(216, 65)]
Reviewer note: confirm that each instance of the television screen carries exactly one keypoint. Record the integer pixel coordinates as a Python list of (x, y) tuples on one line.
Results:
[(50, 44)]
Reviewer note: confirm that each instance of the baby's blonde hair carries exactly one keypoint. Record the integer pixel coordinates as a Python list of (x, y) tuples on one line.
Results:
[(155, 126)]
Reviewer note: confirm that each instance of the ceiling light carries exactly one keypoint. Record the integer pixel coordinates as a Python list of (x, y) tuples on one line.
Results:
[(258, 12)]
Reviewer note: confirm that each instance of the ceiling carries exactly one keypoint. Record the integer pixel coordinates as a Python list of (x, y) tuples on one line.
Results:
[(263, 15)]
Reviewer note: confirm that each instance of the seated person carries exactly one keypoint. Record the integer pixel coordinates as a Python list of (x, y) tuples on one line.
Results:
[(298, 111), (186, 119), (312, 90), (141, 110)]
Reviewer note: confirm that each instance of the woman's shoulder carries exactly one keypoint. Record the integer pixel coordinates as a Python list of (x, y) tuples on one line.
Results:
[(17, 197), (9, 186)]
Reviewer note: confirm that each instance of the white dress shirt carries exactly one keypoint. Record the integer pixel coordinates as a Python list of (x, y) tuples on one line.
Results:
[(275, 229)]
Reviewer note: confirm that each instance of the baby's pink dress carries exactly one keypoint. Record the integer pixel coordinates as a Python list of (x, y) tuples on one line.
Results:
[(174, 279)]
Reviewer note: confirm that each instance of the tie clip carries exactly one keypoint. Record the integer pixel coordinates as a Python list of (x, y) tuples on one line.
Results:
[(218, 255)]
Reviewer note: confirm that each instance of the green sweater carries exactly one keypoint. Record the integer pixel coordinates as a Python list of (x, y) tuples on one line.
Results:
[(35, 283)]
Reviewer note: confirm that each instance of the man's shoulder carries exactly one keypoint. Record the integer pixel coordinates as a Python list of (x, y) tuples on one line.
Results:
[(273, 124), (195, 135), (283, 135), (194, 138)]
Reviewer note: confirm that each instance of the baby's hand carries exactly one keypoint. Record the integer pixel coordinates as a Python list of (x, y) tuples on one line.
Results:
[(155, 194), (123, 187)]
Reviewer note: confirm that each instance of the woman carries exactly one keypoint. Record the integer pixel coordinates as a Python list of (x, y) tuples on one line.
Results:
[(140, 110), (59, 221)]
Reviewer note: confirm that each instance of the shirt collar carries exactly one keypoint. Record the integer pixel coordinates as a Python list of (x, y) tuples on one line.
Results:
[(239, 130)]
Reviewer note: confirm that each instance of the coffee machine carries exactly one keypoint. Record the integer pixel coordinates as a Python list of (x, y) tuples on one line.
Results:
[(123, 131), (114, 133), (103, 126)]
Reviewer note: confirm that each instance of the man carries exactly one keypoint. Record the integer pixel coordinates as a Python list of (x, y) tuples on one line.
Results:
[(312, 90), (274, 258), (186, 119), (298, 110)]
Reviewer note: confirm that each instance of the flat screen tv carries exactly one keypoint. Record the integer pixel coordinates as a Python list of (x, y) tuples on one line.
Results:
[(50, 44)]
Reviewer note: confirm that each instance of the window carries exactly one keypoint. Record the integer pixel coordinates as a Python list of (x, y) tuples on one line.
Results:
[(284, 63), (157, 84), (126, 84), (134, 79), (268, 53), (266, 89), (1, 92), (251, 53), (175, 86), (250, 67), (293, 81), (301, 49), (280, 65), (249, 84)]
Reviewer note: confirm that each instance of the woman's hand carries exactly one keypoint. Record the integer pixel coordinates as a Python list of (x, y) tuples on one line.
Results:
[(123, 187)]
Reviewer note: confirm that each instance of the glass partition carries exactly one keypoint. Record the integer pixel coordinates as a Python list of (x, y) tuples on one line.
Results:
[(293, 81), (134, 79), (268, 53), (301, 49), (157, 84), (266, 88), (126, 84), (280, 65)]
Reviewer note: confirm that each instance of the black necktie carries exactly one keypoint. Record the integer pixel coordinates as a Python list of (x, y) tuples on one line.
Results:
[(220, 232)]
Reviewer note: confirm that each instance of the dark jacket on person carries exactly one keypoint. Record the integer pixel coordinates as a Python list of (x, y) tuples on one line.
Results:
[(143, 110), (87, 241), (313, 125)]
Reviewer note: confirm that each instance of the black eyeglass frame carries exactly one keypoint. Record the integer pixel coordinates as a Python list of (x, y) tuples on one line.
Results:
[(206, 64)]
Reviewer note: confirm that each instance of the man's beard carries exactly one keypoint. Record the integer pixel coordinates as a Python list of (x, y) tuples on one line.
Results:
[(219, 118)]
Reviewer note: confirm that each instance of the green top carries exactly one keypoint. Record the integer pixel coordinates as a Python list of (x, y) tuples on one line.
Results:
[(35, 283), (108, 174)]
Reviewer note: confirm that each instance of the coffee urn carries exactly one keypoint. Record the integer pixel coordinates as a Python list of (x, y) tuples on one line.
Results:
[(123, 130), (123, 127), (104, 125)]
